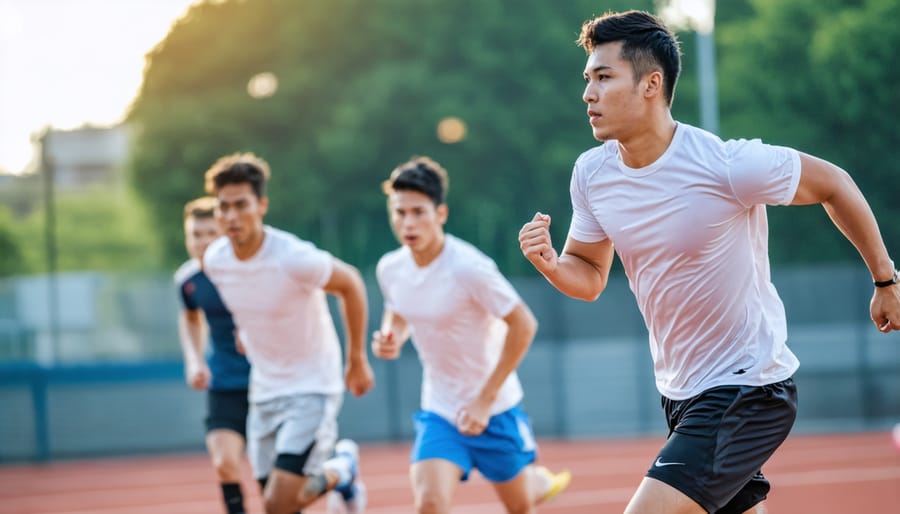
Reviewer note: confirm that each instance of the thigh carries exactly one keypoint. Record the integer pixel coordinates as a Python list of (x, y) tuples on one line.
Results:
[(434, 481), (309, 430), (505, 447), (437, 438), (227, 410), (655, 497), (720, 440), (516, 494), (262, 424), (225, 444)]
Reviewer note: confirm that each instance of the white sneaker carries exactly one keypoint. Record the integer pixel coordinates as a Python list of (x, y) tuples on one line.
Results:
[(336, 504), (352, 497)]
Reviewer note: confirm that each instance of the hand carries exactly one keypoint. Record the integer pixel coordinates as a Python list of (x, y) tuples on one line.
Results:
[(473, 418), (359, 378), (885, 308), (197, 375), (385, 345), (534, 240)]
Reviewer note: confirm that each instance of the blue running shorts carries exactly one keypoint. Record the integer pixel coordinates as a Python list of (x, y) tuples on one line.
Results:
[(499, 453)]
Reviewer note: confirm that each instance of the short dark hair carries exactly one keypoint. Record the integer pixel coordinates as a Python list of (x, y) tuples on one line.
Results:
[(200, 208), (420, 174), (238, 168), (646, 43)]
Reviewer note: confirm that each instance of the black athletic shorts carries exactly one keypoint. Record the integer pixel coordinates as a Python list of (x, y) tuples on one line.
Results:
[(227, 409), (719, 441)]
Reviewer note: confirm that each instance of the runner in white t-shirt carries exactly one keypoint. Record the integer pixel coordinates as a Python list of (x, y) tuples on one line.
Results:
[(686, 213), (274, 284), (471, 330)]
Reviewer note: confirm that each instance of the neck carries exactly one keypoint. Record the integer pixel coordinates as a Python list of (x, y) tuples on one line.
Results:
[(248, 248), (430, 253), (645, 145)]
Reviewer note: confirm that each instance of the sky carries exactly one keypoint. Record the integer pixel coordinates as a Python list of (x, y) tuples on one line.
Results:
[(68, 63)]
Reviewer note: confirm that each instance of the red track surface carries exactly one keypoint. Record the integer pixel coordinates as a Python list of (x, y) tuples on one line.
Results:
[(821, 474)]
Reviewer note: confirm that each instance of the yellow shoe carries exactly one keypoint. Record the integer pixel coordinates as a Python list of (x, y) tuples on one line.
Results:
[(557, 482)]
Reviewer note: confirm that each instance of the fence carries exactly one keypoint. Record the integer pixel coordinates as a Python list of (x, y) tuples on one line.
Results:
[(101, 373)]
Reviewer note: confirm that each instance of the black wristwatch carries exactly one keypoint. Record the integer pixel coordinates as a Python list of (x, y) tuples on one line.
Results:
[(894, 280)]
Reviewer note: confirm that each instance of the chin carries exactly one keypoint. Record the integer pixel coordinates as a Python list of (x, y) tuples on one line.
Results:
[(602, 136)]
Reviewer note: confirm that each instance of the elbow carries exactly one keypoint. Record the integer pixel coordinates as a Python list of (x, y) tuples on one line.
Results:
[(531, 327), (589, 295)]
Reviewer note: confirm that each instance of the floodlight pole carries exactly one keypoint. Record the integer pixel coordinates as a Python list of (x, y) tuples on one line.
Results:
[(699, 16), (706, 71), (48, 171)]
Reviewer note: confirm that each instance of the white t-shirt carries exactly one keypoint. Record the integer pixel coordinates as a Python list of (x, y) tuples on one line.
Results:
[(691, 232), (276, 298), (455, 308)]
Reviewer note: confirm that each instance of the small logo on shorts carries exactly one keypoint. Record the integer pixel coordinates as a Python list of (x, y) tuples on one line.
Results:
[(659, 463)]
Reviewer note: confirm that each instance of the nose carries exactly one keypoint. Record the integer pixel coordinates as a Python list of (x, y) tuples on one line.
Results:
[(590, 94), (229, 214)]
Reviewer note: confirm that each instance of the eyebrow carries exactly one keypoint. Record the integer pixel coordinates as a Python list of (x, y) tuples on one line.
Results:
[(232, 202), (595, 69)]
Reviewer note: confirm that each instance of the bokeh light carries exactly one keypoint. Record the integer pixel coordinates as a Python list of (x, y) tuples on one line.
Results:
[(262, 85), (451, 130)]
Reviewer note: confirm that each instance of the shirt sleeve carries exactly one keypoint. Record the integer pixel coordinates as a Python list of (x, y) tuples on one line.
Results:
[(489, 288), (584, 226), (185, 292), (308, 265), (761, 173), (381, 278)]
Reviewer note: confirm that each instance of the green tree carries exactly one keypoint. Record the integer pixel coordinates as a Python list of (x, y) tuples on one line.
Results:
[(817, 75), (11, 261), (95, 230), (362, 86)]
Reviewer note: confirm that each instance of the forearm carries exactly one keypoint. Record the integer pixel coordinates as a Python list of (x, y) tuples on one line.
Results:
[(577, 278), (850, 212), (396, 326), (518, 340), (356, 317), (191, 336)]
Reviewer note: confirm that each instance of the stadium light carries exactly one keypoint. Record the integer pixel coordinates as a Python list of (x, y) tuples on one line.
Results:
[(699, 16)]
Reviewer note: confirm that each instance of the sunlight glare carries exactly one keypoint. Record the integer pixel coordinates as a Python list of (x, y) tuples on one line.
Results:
[(66, 64)]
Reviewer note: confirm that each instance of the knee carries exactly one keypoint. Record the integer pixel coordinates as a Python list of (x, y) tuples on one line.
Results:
[(432, 503), (228, 467), (520, 507), (276, 505)]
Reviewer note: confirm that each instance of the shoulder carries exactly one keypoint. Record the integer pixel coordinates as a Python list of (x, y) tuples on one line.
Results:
[(283, 241), (466, 259), (186, 271), (393, 260), (216, 252), (593, 160), (755, 155)]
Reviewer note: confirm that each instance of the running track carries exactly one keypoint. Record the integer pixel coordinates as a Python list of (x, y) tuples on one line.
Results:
[(815, 474)]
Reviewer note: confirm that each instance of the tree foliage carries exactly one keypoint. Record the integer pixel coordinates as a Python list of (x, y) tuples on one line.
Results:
[(11, 261), (362, 86), (817, 75), (94, 230)]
